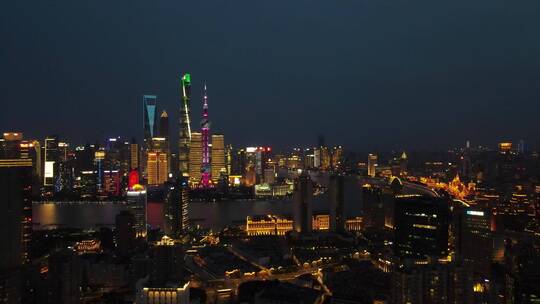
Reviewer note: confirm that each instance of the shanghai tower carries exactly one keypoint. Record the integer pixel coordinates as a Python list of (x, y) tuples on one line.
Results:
[(184, 136)]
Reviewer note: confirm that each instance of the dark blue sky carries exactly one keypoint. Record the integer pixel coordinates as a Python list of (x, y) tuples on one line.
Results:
[(375, 74)]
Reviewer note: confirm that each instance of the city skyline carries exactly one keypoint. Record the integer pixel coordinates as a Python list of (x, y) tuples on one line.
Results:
[(398, 75)]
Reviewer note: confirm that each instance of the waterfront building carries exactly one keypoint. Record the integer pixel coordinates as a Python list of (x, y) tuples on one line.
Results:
[(372, 165), (326, 160), (255, 161), (229, 159), (195, 158), (280, 225), (337, 158), (163, 295), (111, 182), (218, 157)]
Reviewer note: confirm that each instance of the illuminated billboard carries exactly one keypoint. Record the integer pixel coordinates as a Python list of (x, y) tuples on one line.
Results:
[(49, 169), (475, 213)]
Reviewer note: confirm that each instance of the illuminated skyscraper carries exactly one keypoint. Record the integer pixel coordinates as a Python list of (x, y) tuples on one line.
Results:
[(372, 164), (325, 158), (52, 159), (317, 157), (175, 209), (195, 158), (150, 118), (99, 157), (206, 174), (164, 133), (218, 157), (403, 164), (229, 159), (136, 201), (133, 155), (184, 135), (337, 156), (302, 197), (157, 162)]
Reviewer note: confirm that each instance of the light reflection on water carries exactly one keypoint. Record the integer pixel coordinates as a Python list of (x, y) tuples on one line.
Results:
[(209, 215)]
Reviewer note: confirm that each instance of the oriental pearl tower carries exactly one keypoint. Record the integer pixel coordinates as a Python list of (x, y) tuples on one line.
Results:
[(205, 130)]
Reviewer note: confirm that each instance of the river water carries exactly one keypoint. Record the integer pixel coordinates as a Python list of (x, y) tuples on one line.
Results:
[(208, 215)]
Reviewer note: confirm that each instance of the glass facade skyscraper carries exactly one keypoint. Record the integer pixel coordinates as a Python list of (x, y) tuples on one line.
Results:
[(184, 134)]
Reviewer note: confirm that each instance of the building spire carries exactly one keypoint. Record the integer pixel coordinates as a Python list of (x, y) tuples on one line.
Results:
[(205, 130)]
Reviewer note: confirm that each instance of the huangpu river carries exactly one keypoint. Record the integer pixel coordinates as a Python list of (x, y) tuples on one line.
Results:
[(216, 215)]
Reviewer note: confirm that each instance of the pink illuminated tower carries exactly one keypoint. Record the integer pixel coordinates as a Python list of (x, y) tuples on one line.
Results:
[(205, 130)]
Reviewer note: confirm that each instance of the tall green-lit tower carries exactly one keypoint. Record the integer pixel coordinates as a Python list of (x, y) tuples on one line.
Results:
[(184, 136)]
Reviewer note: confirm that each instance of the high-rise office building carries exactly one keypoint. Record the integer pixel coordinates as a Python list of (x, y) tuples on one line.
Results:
[(150, 127), (337, 158), (337, 201), (164, 133), (403, 164), (326, 160), (472, 235), (206, 174), (133, 155), (136, 200), (421, 226), (51, 161), (15, 222), (255, 161), (111, 182), (317, 157), (195, 158), (218, 157), (163, 130), (372, 165), (150, 117), (157, 162), (34, 153), (99, 157), (229, 159), (175, 209), (157, 168), (184, 135), (302, 200)]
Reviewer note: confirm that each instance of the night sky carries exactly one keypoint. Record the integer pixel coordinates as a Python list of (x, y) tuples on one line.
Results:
[(375, 74)]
